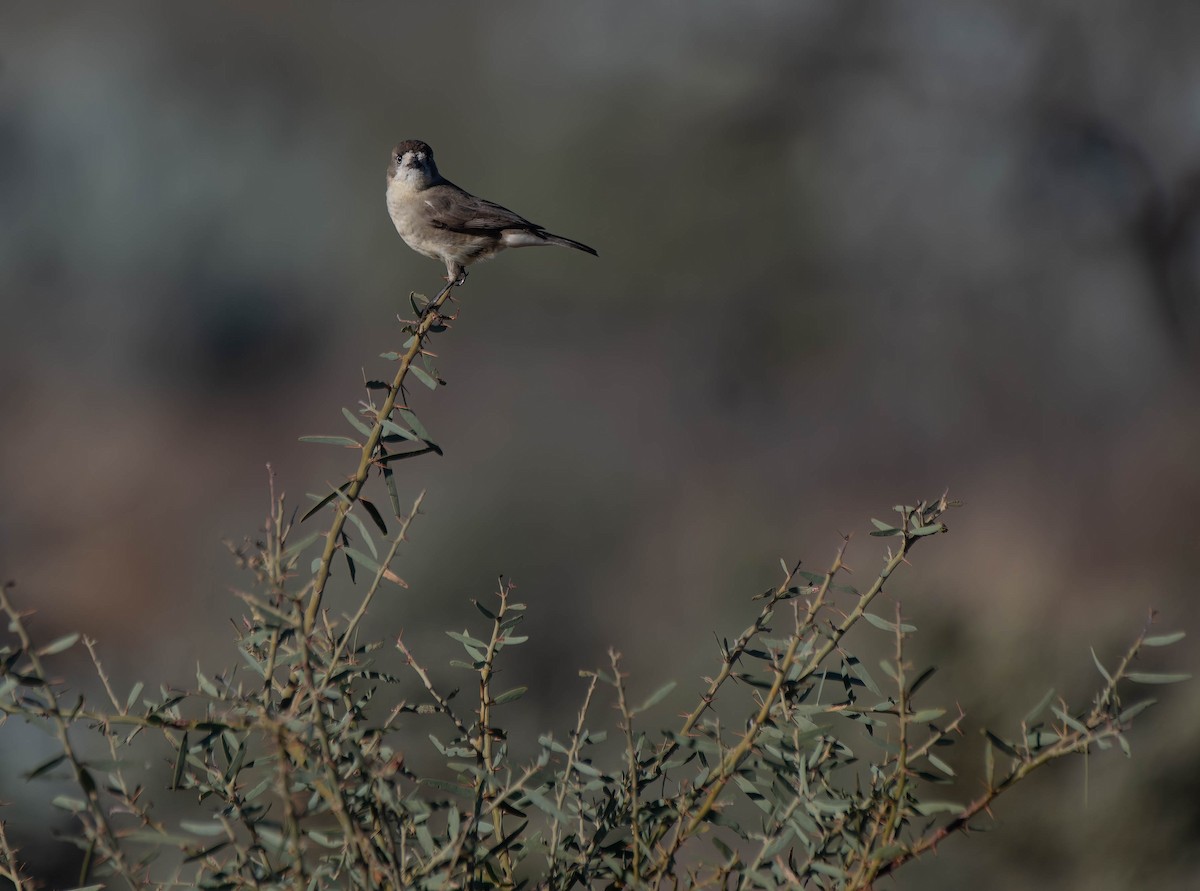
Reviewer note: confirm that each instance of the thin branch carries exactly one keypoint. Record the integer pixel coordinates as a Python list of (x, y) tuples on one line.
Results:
[(429, 318)]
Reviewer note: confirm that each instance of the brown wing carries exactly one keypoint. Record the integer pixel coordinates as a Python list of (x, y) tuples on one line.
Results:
[(459, 211)]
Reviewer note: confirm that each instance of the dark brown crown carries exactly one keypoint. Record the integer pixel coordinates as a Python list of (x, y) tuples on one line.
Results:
[(412, 145)]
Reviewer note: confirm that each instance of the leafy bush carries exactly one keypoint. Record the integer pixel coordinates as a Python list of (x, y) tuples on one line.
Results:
[(795, 767)]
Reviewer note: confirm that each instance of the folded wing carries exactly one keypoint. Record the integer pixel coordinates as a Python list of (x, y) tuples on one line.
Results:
[(459, 211)]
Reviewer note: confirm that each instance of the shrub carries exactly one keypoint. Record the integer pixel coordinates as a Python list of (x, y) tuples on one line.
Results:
[(796, 766)]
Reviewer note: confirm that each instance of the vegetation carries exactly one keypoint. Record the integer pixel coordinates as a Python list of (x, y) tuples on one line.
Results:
[(796, 765)]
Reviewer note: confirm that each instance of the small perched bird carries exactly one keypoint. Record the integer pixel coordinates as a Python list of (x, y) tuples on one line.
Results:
[(438, 219)]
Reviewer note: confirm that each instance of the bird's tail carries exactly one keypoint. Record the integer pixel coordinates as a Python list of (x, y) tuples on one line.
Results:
[(566, 242)]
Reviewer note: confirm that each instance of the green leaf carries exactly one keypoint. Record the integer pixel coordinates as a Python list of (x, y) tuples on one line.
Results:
[(271, 839), (361, 558), (940, 764), (1149, 677), (67, 803), (1039, 708), (180, 760), (887, 853), (464, 638), (389, 480), (362, 530), (299, 547), (333, 440), (446, 786), (413, 453), (326, 839), (355, 422), (63, 643), (726, 851), (921, 679), (1002, 745), (1099, 665), (324, 501), (924, 716), (45, 766), (929, 808), (206, 829), (510, 695), (927, 530), (884, 625), (390, 356), (1039, 739), (1136, 709), (542, 803), (1071, 722), (396, 430), (826, 869), (416, 426), (656, 697), (475, 648), (376, 517), (861, 672), (1164, 640), (884, 529), (423, 377)]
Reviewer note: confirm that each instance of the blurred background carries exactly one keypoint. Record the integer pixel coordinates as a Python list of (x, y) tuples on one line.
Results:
[(851, 254)]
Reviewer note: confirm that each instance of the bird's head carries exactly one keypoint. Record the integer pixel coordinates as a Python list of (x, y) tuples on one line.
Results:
[(412, 165)]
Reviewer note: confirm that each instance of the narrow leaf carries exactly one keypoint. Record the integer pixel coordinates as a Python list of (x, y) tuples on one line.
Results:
[(1136, 709), (63, 643), (921, 679), (333, 440), (1099, 665), (884, 625), (1149, 677), (324, 501), (362, 530), (415, 425), (376, 517), (927, 530), (1163, 640), (929, 808), (45, 766), (423, 377), (656, 697), (355, 422), (1002, 745), (926, 715), (1039, 708), (361, 558), (396, 430)]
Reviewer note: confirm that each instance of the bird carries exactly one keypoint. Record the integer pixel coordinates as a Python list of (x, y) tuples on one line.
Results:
[(438, 219)]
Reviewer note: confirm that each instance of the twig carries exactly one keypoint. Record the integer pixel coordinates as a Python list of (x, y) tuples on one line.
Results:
[(429, 318)]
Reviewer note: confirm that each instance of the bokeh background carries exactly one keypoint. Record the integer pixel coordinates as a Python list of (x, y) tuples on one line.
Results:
[(851, 254)]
